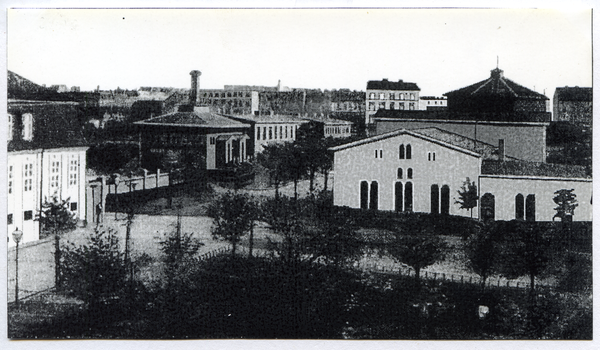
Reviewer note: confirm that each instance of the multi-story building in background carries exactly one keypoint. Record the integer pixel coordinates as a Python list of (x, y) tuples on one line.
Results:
[(573, 104), (428, 103), (390, 95)]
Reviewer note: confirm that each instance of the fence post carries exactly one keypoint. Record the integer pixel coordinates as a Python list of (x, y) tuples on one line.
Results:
[(498, 282), (145, 178)]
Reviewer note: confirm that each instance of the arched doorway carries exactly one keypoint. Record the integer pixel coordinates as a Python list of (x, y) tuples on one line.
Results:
[(408, 196), (488, 207), (373, 203), (364, 195), (445, 195), (398, 196), (435, 199)]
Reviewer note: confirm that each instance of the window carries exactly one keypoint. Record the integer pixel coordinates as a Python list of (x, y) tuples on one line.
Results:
[(364, 195), (401, 152), (374, 196), (392, 105), (445, 197), (434, 156), (411, 106), (392, 96), (280, 132), (408, 151), (275, 133), (9, 219), (372, 96), (371, 106), (286, 131), (73, 167), (412, 97), (258, 132), (409, 173), (74, 206), (264, 133), (402, 96), (401, 106), (431, 156), (519, 207), (270, 133), (382, 96), (435, 199), (28, 177), (10, 127), (54, 174), (213, 140), (376, 153), (27, 127), (228, 152), (381, 105), (399, 173), (530, 207), (10, 176), (381, 153), (292, 132), (28, 215)]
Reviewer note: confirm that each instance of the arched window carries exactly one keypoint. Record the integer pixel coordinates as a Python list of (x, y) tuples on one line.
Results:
[(435, 199), (402, 96), (445, 197), (408, 197), (408, 151), (374, 196), (399, 173), (530, 207), (401, 152), (519, 207), (364, 195), (409, 173), (398, 196), (488, 207)]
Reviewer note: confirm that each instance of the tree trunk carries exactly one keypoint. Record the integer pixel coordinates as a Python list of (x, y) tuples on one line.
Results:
[(57, 253), (251, 243), (326, 174), (417, 275), (311, 187), (295, 189)]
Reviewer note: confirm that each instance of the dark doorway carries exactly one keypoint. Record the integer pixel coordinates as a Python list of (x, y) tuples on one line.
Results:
[(364, 195), (445, 208), (374, 195), (398, 196)]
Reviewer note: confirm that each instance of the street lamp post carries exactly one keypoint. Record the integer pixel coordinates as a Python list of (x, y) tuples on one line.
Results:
[(17, 235)]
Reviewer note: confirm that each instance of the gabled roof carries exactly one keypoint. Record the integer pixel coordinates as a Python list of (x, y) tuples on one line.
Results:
[(574, 94), (200, 117), (391, 85), (497, 85), (399, 132)]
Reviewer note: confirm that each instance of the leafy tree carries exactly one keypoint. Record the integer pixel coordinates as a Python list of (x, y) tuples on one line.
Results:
[(336, 240), (95, 271), (233, 216), (295, 161), (482, 253), (178, 247), (467, 196), (416, 247), (525, 249), (566, 202), (273, 159), (57, 219)]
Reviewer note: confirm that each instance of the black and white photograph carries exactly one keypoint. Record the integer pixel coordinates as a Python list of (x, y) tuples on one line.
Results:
[(338, 173)]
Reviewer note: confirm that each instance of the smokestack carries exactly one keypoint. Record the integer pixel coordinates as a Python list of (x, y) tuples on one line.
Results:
[(501, 150), (195, 86)]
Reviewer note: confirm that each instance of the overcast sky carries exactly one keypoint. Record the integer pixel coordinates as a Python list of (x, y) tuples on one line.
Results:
[(440, 50)]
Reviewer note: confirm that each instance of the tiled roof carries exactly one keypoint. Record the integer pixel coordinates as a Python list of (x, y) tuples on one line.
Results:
[(55, 125), (391, 85), (497, 85), (574, 94), (404, 132), (196, 118), (523, 168), (276, 118), (486, 150)]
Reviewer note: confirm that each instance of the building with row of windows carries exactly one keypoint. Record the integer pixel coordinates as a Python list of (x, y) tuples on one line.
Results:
[(46, 158), (422, 170), (391, 95)]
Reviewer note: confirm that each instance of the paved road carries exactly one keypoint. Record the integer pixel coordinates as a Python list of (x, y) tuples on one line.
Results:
[(36, 261)]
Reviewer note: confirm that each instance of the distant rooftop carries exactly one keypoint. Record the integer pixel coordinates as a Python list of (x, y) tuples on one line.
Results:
[(199, 117), (275, 118), (486, 150), (391, 85), (574, 94)]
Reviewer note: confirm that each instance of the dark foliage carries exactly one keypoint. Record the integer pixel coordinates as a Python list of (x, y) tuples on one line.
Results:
[(108, 158), (233, 216)]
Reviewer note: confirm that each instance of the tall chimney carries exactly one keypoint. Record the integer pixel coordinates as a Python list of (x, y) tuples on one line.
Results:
[(195, 86), (501, 150)]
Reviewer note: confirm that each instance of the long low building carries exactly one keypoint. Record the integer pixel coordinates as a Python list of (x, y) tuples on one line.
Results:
[(422, 170)]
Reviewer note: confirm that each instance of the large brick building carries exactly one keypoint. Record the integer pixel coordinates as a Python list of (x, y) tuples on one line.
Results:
[(573, 104)]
